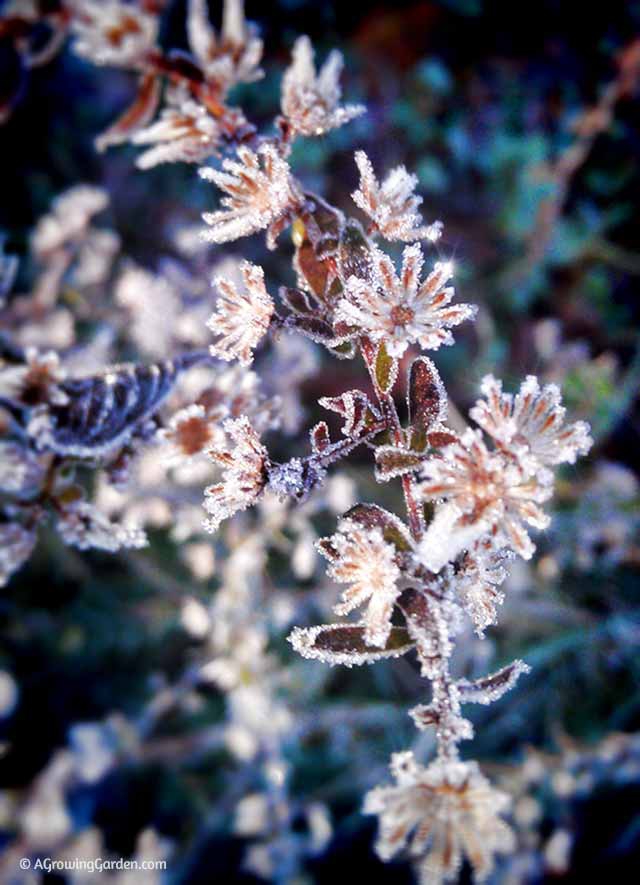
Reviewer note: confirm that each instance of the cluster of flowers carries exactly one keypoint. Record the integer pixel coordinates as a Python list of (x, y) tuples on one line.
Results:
[(471, 497)]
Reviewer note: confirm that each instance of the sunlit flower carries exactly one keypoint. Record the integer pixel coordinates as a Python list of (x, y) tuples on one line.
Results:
[(233, 56), (242, 318), (392, 206), (531, 422), (310, 100), (443, 813), (244, 473), (362, 558), (481, 493), (260, 193), (113, 32), (401, 309)]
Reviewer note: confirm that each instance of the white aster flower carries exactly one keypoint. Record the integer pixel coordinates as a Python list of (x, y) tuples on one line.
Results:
[(310, 100), (444, 813), (392, 206), (260, 193), (113, 32), (531, 422), (242, 318), (361, 557), (402, 310)]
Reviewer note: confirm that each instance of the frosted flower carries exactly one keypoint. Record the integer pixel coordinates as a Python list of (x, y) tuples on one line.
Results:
[(68, 219), (260, 193), (154, 309), (442, 813), (35, 381), (234, 56), (82, 525), (113, 32), (480, 493), (244, 473), (189, 433), (478, 581), (21, 471), (16, 546), (185, 132), (361, 558), (310, 101), (531, 422), (392, 206), (401, 310), (242, 318)]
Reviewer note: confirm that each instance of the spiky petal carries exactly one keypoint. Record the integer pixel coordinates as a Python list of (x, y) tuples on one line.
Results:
[(242, 318)]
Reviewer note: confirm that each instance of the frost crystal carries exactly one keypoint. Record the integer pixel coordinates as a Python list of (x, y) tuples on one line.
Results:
[(531, 422), (260, 193), (244, 473), (401, 309), (113, 32), (83, 526), (483, 493), (443, 813), (392, 206), (310, 101), (362, 558), (242, 318)]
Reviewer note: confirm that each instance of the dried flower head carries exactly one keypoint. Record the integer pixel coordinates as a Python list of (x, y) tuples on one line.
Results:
[(392, 206), (261, 193), (531, 423), (361, 557), (82, 525), (16, 546), (483, 493), (244, 473), (401, 309), (68, 219), (242, 318), (234, 56), (444, 813), (310, 100), (185, 132), (114, 32)]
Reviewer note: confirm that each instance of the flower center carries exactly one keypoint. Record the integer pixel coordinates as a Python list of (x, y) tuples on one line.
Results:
[(401, 315)]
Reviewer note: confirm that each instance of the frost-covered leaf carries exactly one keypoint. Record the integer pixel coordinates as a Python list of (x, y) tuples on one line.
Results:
[(320, 439), (386, 368), (393, 461), (345, 644), (426, 398), (490, 688), (358, 413), (394, 531), (354, 253)]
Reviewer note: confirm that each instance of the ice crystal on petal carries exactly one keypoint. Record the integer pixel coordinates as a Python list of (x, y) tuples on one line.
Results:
[(443, 813), (260, 193), (402, 310), (185, 132), (362, 558), (82, 525), (392, 206), (113, 32), (244, 473), (310, 100), (483, 492), (233, 56), (242, 318), (531, 422), (16, 546)]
